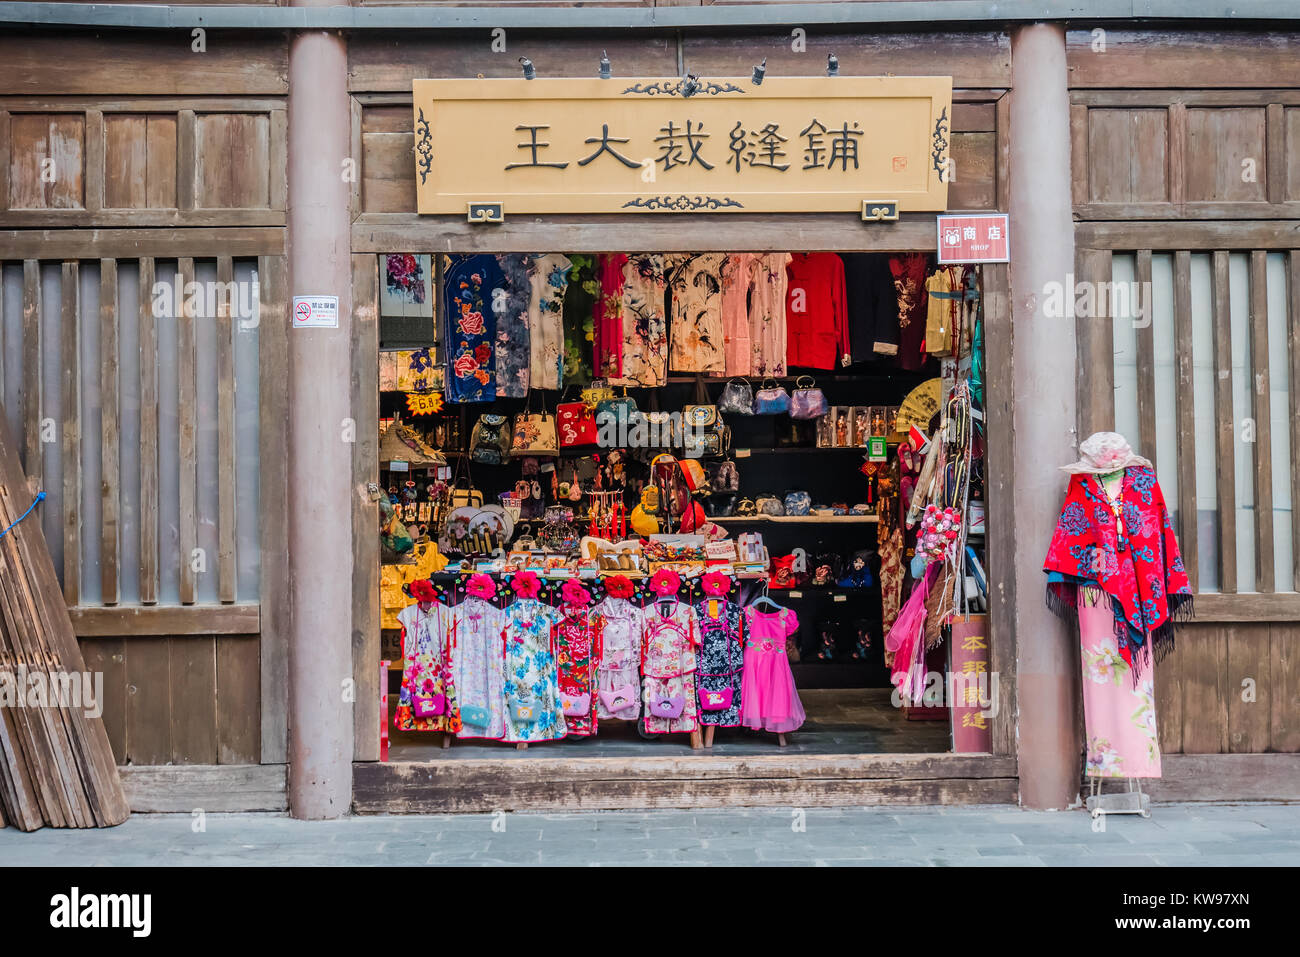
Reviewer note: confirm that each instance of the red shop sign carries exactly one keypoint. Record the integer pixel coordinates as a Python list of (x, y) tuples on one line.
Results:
[(974, 239)]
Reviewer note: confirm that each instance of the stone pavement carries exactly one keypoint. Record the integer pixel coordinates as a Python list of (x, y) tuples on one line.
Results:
[(1193, 834)]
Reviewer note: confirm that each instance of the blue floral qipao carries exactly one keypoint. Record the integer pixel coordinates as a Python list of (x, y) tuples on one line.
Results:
[(513, 357), (530, 671), (722, 659), (473, 293)]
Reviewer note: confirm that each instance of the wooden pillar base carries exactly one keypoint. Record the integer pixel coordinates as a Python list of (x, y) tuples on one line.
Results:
[(521, 746), (696, 742)]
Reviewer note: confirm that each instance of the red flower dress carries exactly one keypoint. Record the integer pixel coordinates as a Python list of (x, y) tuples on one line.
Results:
[(577, 650)]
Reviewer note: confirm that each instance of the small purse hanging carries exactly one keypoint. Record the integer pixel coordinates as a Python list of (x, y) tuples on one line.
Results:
[(667, 706), (428, 706), (620, 699), (808, 401), (771, 400), (737, 397), (576, 424), (575, 705), (523, 711), (475, 716), (489, 443), (719, 700)]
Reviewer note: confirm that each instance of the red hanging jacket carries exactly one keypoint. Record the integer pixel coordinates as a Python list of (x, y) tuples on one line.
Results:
[(817, 323)]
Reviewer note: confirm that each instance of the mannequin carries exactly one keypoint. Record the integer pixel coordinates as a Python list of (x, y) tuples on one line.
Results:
[(1114, 567)]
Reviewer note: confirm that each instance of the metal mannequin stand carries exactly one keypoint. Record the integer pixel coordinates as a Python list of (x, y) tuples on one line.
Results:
[(1132, 801)]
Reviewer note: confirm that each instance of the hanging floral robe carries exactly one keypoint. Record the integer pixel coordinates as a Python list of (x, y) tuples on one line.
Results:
[(530, 674), (767, 315), (471, 290), (695, 331), (478, 650), (548, 278), (645, 330), (737, 281), (668, 664), (425, 668), (577, 649), (722, 657), (619, 625), (512, 356)]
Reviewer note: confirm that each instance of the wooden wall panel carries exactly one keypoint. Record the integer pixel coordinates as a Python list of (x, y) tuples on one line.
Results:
[(1192, 59), (154, 63), (232, 161), (1291, 153), (1127, 155), (974, 183), (189, 699), (1218, 141), (140, 161), (46, 160)]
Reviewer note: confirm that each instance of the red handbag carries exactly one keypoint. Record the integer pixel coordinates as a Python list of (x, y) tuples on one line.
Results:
[(576, 424)]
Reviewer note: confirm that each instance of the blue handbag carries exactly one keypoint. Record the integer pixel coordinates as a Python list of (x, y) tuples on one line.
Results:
[(475, 715), (798, 503), (772, 400)]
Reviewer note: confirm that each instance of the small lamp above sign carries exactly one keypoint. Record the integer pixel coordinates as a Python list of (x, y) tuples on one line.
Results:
[(606, 68), (530, 72), (832, 65), (759, 72)]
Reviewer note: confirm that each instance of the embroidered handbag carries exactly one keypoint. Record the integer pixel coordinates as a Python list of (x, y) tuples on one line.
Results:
[(700, 416), (576, 705), (667, 706), (428, 706), (490, 441), (534, 435), (523, 712), (715, 700), (621, 408), (808, 402), (710, 442), (458, 496), (475, 715), (771, 400), (737, 397), (576, 424), (769, 505), (620, 699), (798, 503)]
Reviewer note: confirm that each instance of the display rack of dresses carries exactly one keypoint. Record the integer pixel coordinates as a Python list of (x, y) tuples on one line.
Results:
[(478, 650), (721, 658), (696, 333), (769, 700), (645, 328), (425, 671), (767, 325), (619, 625), (532, 705), (548, 278), (668, 665), (577, 649)]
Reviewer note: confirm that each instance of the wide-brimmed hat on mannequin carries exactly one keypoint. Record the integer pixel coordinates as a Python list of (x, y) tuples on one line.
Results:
[(1104, 452)]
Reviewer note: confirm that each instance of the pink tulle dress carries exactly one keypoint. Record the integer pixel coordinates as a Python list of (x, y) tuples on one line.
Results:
[(768, 699)]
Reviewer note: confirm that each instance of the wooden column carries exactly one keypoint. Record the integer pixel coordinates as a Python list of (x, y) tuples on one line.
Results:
[(1043, 369), (321, 435)]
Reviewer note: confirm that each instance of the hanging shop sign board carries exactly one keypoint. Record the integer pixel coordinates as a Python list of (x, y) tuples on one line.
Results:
[(315, 312), (974, 239), (874, 145)]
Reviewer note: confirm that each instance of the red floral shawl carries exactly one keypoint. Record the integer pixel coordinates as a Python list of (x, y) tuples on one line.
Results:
[(1142, 571)]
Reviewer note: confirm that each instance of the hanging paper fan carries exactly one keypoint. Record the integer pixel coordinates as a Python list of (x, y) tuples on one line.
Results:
[(920, 406)]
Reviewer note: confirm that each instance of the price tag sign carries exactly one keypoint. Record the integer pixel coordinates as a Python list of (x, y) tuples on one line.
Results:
[(423, 403)]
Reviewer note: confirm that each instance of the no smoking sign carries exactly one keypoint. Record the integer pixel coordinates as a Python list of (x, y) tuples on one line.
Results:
[(315, 312)]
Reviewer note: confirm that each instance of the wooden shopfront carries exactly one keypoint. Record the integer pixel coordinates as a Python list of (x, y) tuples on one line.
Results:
[(162, 443), (405, 211)]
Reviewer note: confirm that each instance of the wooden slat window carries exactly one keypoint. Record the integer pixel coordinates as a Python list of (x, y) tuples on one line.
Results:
[(141, 423), (1205, 373)]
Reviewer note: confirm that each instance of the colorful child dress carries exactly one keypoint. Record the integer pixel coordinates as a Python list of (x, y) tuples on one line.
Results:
[(577, 649), (721, 662), (618, 625), (426, 670), (668, 665), (532, 695), (476, 662), (768, 699)]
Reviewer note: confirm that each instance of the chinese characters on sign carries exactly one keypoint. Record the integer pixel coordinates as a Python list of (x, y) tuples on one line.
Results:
[(974, 239), (574, 146)]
